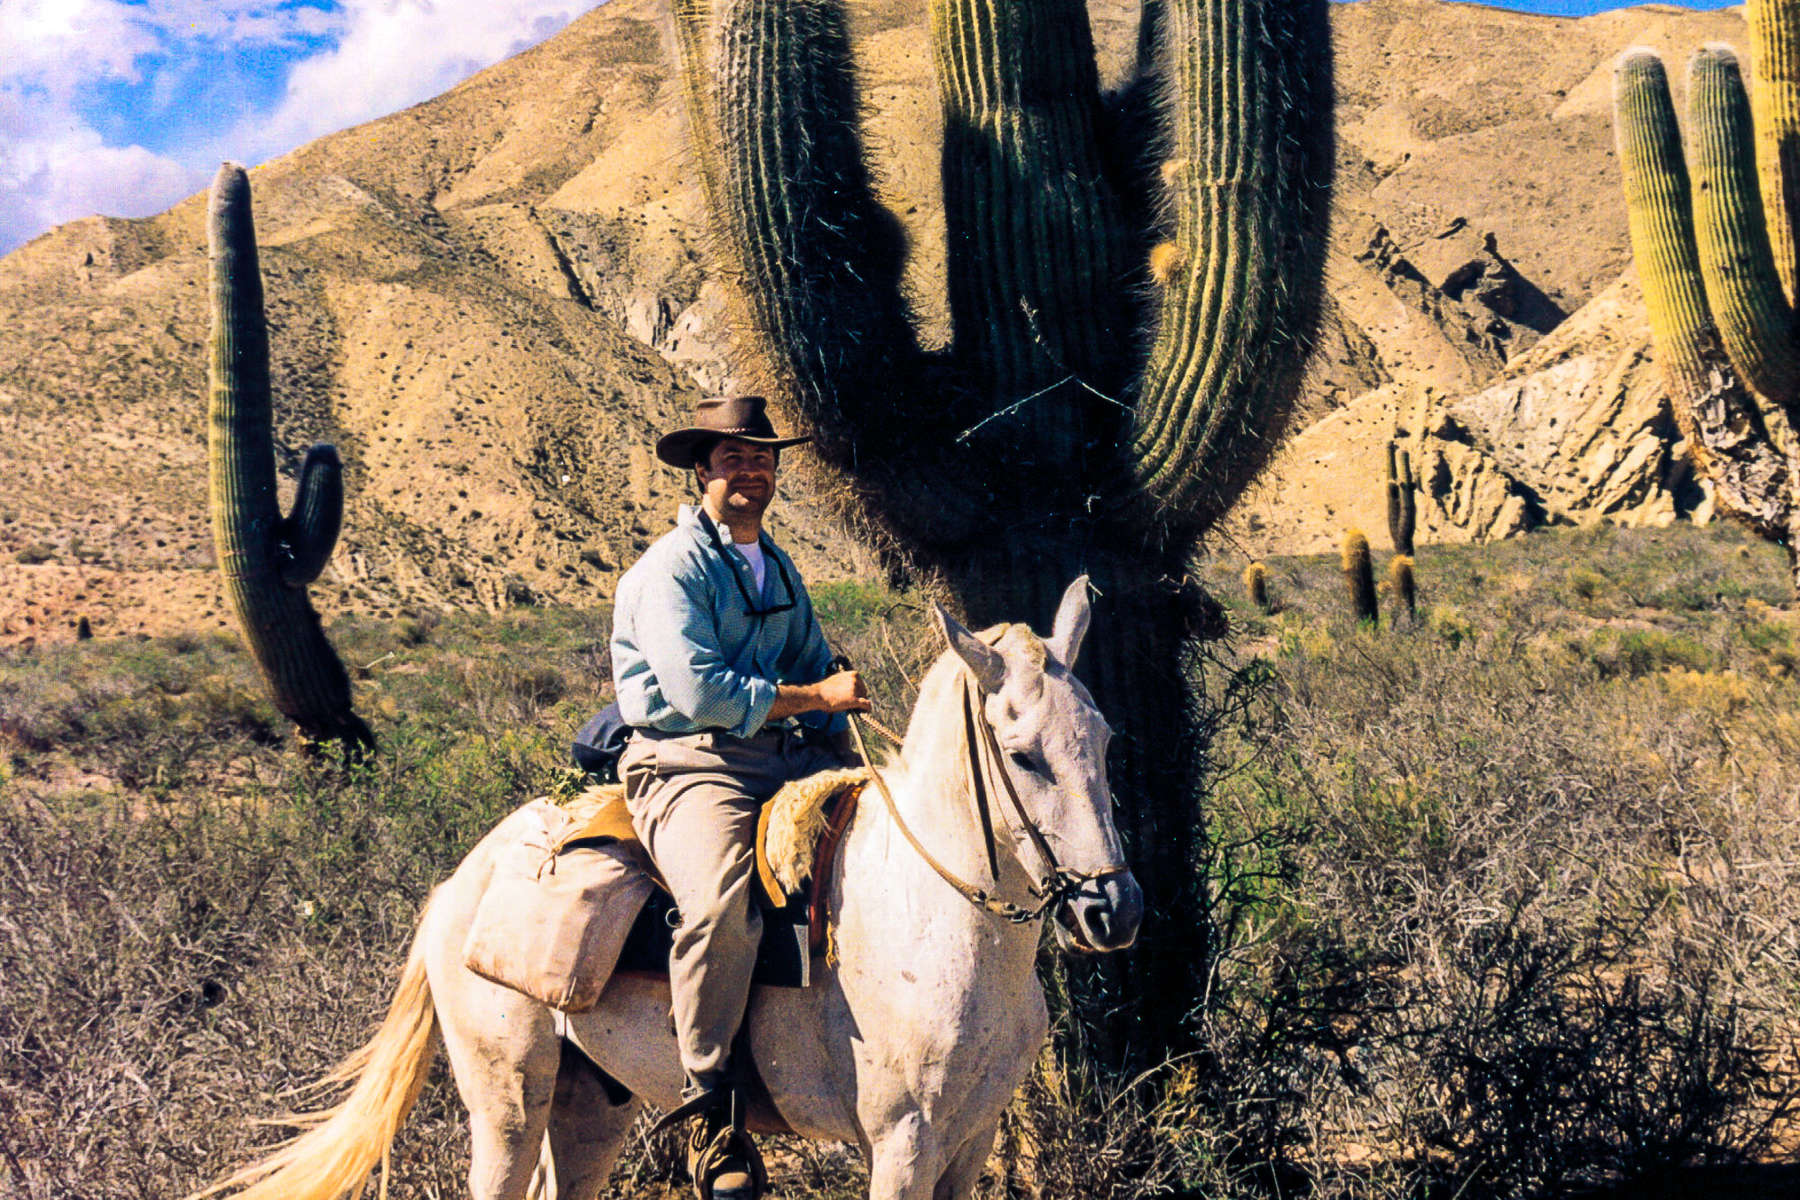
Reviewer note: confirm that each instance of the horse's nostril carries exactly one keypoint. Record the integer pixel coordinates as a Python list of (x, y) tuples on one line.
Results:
[(1100, 926), (1125, 908)]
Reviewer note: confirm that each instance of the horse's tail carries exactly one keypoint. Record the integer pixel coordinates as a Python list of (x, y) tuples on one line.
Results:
[(332, 1160)]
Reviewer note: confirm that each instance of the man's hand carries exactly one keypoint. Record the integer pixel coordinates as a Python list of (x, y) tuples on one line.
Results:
[(843, 693), (840, 693)]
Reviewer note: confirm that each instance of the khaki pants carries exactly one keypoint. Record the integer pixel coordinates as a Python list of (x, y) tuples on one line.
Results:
[(694, 799)]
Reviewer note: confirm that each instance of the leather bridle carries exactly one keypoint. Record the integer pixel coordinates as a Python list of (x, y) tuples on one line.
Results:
[(1054, 885)]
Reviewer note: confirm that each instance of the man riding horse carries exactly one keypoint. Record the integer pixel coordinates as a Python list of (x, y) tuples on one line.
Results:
[(721, 668)]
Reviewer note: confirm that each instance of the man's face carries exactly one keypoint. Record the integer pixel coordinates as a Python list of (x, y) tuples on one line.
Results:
[(738, 477)]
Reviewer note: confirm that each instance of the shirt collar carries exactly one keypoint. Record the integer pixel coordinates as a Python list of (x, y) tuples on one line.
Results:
[(688, 517)]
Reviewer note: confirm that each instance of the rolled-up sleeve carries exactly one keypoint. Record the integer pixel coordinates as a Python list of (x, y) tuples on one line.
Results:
[(813, 663), (675, 635)]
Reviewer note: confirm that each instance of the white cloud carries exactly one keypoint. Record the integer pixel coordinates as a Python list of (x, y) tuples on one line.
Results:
[(378, 56), (392, 53), (54, 46), (54, 165), (49, 180)]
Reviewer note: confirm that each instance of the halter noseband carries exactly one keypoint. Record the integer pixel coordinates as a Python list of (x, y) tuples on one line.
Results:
[(1057, 883)]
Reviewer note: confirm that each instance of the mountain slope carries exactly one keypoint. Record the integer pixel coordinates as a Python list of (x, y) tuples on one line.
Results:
[(492, 301)]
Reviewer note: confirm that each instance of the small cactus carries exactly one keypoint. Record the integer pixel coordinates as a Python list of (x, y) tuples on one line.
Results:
[(1401, 582), (1256, 585), (1359, 577), (268, 560), (1402, 498)]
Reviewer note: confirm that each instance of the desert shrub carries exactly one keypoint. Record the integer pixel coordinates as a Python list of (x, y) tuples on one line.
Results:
[(1586, 583), (1777, 642), (1637, 652), (1480, 923)]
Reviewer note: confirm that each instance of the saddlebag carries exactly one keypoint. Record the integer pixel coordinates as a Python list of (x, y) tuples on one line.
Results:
[(555, 913)]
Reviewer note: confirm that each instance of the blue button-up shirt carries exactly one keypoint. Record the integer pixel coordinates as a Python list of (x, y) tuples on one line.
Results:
[(686, 653)]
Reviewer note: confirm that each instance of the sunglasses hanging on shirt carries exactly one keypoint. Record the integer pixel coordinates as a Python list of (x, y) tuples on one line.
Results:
[(787, 585)]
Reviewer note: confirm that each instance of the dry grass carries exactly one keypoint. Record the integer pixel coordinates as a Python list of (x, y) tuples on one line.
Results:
[(1498, 904)]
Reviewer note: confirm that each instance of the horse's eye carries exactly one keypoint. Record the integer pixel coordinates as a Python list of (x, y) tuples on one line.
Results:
[(1023, 761)]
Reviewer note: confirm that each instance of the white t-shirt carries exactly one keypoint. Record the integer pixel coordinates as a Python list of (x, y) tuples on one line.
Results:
[(753, 554)]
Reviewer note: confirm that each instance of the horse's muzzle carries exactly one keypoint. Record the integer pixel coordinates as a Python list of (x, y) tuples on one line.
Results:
[(1103, 916)]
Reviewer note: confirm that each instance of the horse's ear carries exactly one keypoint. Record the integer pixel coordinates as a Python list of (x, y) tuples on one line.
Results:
[(1071, 622), (983, 661)]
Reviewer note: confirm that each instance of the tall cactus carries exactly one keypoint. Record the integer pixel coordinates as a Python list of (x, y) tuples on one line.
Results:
[(1715, 254), (1051, 439), (1402, 499), (267, 560)]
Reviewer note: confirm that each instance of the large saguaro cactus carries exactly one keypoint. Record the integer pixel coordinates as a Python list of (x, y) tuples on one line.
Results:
[(268, 560), (1133, 282), (1715, 254)]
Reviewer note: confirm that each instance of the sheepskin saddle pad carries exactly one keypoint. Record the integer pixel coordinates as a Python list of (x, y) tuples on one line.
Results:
[(795, 831)]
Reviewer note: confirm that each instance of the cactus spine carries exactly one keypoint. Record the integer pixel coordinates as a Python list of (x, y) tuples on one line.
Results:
[(1401, 582), (266, 560), (1043, 444), (1256, 585), (1402, 498), (1715, 254), (1359, 576)]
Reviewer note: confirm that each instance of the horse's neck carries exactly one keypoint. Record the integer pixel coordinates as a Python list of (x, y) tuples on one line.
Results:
[(931, 787)]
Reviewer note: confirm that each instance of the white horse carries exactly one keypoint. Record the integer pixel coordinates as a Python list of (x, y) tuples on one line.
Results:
[(910, 1048)]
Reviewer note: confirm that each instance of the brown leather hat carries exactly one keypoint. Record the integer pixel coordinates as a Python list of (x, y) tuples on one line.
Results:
[(741, 417)]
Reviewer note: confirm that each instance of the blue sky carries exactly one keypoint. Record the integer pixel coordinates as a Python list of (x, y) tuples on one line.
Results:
[(1587, 8), (124, 107)]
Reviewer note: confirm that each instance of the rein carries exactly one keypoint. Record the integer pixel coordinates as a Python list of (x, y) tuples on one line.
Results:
[(1057, 882)]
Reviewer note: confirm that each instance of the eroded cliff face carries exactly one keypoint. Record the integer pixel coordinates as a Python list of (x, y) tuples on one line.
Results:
[(493, 301)]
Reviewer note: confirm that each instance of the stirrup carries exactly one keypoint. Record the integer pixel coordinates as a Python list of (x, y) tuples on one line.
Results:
[(720, 1144), (715, 1156)]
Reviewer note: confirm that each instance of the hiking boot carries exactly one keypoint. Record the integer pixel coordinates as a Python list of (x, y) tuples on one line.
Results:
[(724, 1164)]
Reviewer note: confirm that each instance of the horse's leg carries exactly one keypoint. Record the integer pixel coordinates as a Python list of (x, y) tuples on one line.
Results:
[(508, 1096), (503, 1050), (589, 1119), (905, 1163), (964, 1172)]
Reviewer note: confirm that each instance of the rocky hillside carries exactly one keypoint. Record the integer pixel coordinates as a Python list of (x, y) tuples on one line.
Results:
[(492, 300)]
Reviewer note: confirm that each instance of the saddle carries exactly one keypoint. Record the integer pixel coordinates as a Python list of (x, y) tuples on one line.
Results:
[(574, 898)]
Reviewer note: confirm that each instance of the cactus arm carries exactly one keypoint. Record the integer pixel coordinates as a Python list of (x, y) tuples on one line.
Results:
[(1775, 51), (1037, 242), (1742, 285), (303, 673), (1658, 202), (693, 20), (1151, 14), (311, 530), (822, 258), (1249, 185)]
